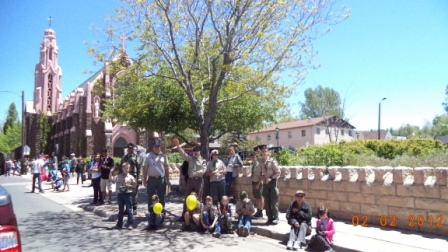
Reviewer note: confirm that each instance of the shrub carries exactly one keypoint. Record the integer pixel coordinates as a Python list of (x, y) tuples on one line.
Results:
[(175, 157)]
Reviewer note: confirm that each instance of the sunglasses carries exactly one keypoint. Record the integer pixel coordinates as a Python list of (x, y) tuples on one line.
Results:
[(299, 196)]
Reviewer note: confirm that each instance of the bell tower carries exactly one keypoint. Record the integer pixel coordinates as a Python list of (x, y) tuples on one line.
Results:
[(47, 75)]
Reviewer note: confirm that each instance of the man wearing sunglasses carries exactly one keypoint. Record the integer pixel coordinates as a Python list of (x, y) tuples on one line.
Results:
[(299, 217)]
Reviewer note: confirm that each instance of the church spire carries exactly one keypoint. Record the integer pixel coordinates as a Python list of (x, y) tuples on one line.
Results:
[(50, 18), (123, 47)]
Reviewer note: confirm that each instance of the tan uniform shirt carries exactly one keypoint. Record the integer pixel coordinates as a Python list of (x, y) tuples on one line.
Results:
[(124, 181), (256, 172), (160, 160), (216, 165), (196, 166), (268, 167)]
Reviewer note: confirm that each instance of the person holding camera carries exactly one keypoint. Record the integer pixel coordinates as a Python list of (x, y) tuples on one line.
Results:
[(126, 184), (298, 216)]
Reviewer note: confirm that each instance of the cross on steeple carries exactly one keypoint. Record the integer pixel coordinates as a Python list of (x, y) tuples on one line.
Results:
[(123, 38), (50, 20)]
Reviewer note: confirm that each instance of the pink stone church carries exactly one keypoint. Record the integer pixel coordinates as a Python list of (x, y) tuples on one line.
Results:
[(76, 121)]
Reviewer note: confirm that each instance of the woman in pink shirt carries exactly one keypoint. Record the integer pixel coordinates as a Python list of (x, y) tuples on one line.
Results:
[(325, 230)]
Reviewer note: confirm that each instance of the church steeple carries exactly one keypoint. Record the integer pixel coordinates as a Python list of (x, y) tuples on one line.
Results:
[(47, 75)]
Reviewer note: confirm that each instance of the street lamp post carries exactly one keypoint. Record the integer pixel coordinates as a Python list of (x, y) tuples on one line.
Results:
[(379, 117), (277, 129)]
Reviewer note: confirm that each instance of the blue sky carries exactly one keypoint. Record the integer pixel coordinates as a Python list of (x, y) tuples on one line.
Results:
[(395, 49)]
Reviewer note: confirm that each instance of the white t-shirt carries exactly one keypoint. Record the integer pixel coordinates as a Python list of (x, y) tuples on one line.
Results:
[(37, 166), (231, 160)]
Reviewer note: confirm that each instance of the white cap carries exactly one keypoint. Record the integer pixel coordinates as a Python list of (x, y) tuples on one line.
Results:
[(215, 152)]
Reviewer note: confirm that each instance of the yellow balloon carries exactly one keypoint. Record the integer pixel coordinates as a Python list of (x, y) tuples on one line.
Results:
[(191, 201), (158, 208)]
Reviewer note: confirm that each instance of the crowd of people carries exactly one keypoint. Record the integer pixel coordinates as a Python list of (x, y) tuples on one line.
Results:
[(210, 212)]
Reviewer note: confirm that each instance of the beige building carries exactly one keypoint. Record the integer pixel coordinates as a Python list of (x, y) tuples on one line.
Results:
[(306, 132)]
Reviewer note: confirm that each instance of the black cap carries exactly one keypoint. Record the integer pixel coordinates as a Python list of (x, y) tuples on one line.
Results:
[(131, 145), (243, 195), (105, 150), (253, 154), (196, 148), (157, 143)]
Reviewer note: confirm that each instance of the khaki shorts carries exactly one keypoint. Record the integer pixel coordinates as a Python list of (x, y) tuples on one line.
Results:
[(257, 193), (105, 183)]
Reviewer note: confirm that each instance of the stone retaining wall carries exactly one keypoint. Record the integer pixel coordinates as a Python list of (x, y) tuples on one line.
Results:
[(407, 198)]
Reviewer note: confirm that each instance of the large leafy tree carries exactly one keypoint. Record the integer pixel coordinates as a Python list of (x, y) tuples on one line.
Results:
[(223, 52), (11, 119), (326, 103), (445, 103)]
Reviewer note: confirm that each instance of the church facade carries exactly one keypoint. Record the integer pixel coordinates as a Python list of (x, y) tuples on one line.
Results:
[(75, 123)]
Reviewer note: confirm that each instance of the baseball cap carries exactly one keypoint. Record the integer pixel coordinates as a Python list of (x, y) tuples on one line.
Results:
[(215, 152), (196, 148), (300, 192), (131, 145), (157, 143)]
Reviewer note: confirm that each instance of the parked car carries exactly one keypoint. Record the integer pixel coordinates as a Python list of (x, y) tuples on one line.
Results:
[(9, 231)]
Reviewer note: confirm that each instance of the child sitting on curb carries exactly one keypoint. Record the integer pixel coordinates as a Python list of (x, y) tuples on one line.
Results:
[(324, 232), (209, 218), (154, 220), (192, 215), (225, 215), (245, 209)]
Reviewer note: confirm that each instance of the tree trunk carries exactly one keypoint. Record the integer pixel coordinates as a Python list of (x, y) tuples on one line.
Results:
[(205, 139)]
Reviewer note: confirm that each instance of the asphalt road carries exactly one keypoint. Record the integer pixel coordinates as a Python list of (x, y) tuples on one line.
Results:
[(48, 225)]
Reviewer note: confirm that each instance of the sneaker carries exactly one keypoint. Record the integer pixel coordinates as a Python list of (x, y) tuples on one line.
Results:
[(258, 214), (186, 228), (130, 227), (289, 245), (207, 231), (269, 222), (216, 234), (245, 231), (42, 191), (92, 203), (134, 212), (275, 221), (240, 231), (296, 246), (117, 227)]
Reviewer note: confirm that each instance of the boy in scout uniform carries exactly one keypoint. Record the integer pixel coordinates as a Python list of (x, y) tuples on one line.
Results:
[(269, 174), (257, 185)]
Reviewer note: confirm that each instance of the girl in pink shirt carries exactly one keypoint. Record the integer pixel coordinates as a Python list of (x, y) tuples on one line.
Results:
[(324, 232)]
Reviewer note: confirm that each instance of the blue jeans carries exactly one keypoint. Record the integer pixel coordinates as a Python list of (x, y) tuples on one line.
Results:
[(37, 176), (244, 220), (154, 222), (229, 180), (125, 199), (206, 221)]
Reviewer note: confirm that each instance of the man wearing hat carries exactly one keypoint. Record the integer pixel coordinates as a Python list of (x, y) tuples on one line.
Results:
[(269, 174), (156, 174), (135, 163), (196, 169), (298, 216), (257, 185), (216, 170)]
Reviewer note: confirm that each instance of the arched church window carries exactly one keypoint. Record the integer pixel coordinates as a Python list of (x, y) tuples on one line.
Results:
[(50, 53), (49, 92)]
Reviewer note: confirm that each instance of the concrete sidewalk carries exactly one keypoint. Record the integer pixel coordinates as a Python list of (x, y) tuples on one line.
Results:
[(347, 237)]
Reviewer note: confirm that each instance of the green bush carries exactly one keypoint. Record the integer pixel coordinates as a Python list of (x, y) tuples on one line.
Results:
[(175, 157), (287, 157)]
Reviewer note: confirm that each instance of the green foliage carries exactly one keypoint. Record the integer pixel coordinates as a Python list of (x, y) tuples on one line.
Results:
[(43, 132), (11, 118), (348, 153), (12, 139), (175, 158), (319, 102), (287, 157)]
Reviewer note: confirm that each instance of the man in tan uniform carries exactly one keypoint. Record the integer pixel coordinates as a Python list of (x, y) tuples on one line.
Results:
[(269, 174)]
